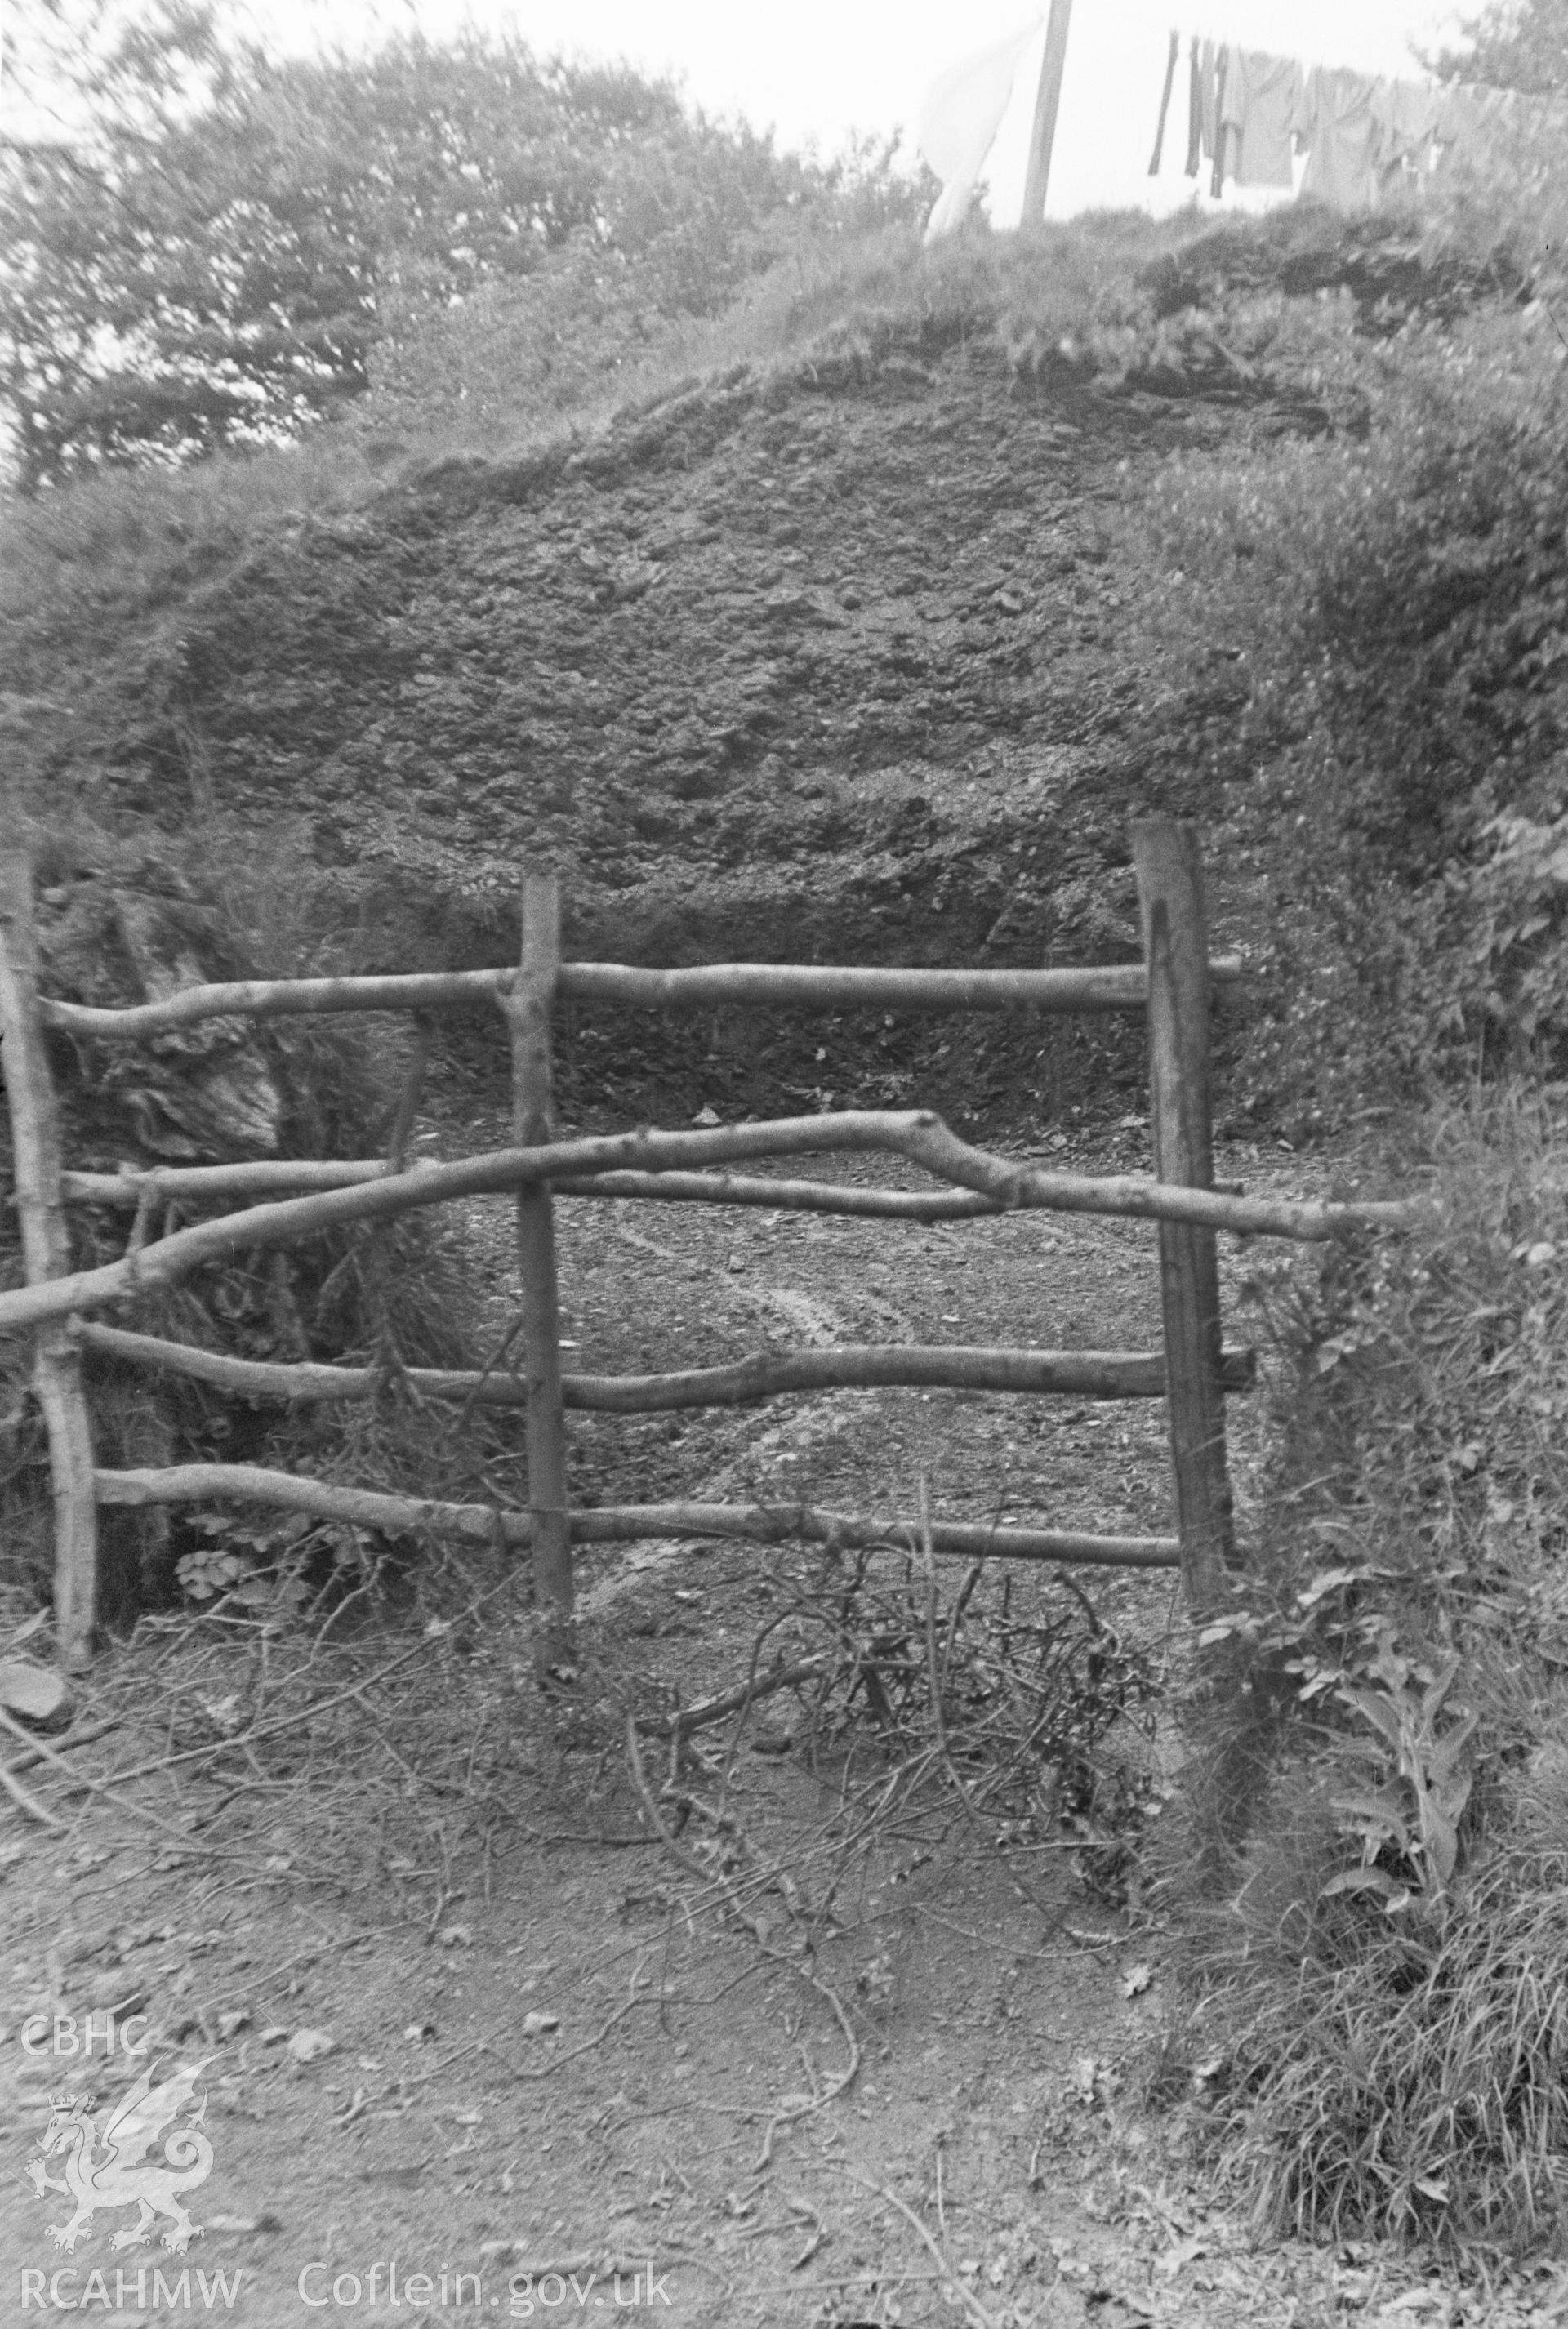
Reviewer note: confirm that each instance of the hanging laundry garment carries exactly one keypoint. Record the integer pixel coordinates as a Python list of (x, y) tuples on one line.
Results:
[(960, 123), (1195, 110), (1503, 113), (1208, 101), (1539, 117), (1502, 116), (1338, 124), (1459, 121), (1263, 111), (1405, 117), (1170, 66), (1472, 119), (1539, 128), (1222, 73)]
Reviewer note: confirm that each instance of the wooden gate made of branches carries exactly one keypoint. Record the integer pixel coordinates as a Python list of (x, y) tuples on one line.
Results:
[(283, 1202)]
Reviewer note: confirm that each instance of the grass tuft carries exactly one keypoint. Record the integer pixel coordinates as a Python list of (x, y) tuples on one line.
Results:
[(1371, 1851), (1420, 2089)]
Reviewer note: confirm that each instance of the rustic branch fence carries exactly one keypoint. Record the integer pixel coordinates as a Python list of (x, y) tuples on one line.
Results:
[(282, 1203)]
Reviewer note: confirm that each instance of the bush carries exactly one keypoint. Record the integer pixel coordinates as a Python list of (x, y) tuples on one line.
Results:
[(1383, 1989), (1395, 595), (391, 1296), (685, 283)]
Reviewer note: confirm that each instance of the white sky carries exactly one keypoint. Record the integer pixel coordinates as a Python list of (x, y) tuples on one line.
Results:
[(813, 70)]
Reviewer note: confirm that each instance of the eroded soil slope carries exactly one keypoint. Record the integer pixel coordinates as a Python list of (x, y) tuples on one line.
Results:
[(819, 665), (770, 645)]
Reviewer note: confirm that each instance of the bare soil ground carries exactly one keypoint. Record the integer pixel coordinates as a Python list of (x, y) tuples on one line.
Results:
[(848, 2055)]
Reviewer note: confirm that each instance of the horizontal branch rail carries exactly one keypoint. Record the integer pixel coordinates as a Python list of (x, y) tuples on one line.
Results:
[(187, 1484), (918, 1135), (257, 1177), (1082, 1374), (268, 1178), (798, 1195), (1120, 987), (172, 1183), (788, 1196)]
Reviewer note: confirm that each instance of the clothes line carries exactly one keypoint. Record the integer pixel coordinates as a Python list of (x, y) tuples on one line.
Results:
[(1368, 140)]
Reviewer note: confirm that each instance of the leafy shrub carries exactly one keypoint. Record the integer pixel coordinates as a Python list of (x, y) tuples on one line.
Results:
[(1514, 898), (1383, 1984), (685, 283), (1396, 593), (389, 1297)]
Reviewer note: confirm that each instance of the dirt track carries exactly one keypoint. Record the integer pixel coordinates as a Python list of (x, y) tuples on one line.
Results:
[(994, 2024)]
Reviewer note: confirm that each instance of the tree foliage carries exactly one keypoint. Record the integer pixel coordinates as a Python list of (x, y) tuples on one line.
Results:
[(1511, 44), (208, 253)]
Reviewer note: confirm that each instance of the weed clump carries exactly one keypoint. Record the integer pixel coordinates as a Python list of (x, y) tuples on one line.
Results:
[(1417, 2088), (1380, 1794)]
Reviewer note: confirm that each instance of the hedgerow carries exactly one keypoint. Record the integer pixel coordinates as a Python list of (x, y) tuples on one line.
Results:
[(1378, 1793), (1395, 593)]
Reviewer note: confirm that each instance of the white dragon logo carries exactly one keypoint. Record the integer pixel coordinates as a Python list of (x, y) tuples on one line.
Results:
[(120, 2174)]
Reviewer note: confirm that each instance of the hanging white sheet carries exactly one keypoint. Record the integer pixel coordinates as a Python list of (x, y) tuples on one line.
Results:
[(959, 123)]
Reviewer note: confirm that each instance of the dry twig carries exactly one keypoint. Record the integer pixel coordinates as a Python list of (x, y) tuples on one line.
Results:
[(82, 1738), (830, 1997), (971, 2304), (26, 1802)]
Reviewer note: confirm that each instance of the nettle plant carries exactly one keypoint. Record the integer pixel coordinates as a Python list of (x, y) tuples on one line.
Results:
[(1401, 1816), (277, 1567), (1408, 1819)]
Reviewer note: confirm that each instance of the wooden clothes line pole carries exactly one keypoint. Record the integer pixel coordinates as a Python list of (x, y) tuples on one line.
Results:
[(188, 1483), (1078, 1374), (1047, 102), (769, 986), (46, 1259)]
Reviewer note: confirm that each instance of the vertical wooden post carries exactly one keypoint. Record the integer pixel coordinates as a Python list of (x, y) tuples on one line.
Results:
[(1042, 135), (46, 1253), (527, 1008), (1170, 890)]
